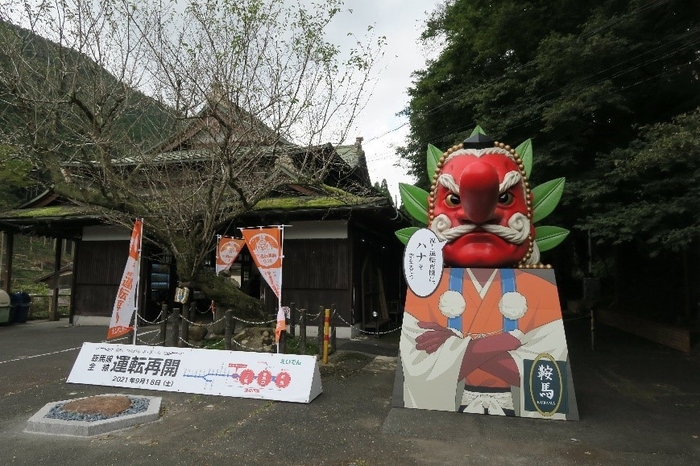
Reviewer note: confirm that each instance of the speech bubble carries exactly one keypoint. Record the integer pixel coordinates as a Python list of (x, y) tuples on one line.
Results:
[(422, 262)]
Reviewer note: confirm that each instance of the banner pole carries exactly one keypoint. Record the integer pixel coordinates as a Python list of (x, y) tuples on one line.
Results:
[(217, 256), (138, 283), (279, 300)]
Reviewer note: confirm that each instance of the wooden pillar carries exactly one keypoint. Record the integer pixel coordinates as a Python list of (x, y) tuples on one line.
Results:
[(302, 330), (228, 329), (53, 305), (175, 333), (333, 339), (186, 319), (142, 297), (73, 286), (163, 323), (7, 253), (319, 331), (292, 319)]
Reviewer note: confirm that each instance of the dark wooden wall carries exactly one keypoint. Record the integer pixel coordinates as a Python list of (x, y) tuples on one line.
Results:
[(316, 264), (98, 272), (317, 272)]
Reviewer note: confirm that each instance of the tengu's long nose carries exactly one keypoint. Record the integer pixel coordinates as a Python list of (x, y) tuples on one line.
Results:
[(478, 191)]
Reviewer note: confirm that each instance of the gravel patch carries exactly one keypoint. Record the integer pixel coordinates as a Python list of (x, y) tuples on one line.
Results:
[(138, 405), (81, 421)]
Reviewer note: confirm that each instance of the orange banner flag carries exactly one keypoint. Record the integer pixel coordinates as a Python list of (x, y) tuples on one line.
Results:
[(226, 252), (265, 245)]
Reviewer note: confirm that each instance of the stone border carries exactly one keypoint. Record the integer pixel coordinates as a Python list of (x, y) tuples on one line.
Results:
[(40, 424)]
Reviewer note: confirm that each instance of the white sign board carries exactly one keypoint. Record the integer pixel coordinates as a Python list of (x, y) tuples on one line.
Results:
[(422, 262), (280, 377)]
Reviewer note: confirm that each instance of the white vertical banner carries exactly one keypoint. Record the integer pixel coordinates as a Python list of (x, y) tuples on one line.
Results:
[(126, 301)]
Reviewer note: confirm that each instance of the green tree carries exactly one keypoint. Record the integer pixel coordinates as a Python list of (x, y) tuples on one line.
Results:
[(653, 188), (15, 177), (579, 78), (646, 210), (183, 113), (573, 76), (383, 188), (254, 81)]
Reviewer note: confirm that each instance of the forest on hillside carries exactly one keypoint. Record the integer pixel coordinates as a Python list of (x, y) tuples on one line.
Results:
[(32, 265), (609, 93)]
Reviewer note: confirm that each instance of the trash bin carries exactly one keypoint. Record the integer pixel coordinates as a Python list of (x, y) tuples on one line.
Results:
[(5, 308), (21, 301)]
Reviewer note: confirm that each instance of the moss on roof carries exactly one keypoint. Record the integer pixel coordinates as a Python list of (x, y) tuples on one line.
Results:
[(314, 202), (291, 203), (335, 198), (50, 211)]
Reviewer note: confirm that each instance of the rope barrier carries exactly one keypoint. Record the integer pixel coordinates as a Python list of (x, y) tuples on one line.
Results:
[(260, 350), (187, 342), (155, 322), (255, 323), (224, 318), (211, 343), (197, 324), (367, 331), (222, 340), (150, 343), (310, 316)]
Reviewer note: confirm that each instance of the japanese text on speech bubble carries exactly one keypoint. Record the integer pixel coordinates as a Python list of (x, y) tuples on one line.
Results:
[(422, 262)]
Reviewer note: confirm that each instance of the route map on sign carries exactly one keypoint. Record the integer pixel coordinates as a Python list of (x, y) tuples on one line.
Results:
[(280, 377)]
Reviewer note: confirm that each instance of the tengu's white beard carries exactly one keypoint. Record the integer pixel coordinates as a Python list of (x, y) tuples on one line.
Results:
[(516, 232)]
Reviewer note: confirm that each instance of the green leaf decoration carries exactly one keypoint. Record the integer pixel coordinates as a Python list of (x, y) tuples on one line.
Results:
[(547, 196), (416, 202), (548, 237), (405, 234), (477, 130), (434, 156), (525, 151)]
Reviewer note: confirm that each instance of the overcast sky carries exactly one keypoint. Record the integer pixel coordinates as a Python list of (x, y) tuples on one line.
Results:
[(401, 22)]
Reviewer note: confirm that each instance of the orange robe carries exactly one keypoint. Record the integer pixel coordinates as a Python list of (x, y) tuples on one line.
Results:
[(482, 317)]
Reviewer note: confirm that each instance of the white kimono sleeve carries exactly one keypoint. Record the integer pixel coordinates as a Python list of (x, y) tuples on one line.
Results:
[(430, 380)]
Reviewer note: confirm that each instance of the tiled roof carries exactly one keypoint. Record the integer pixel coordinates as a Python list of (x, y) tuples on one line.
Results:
[(350, 154)]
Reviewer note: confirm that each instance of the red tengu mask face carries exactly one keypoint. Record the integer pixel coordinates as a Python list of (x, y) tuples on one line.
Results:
[(481, 209)]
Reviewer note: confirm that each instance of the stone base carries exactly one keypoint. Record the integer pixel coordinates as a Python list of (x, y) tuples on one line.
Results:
[(96, 321), (40, 424)]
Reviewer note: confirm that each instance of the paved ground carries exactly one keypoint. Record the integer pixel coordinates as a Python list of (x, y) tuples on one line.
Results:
[(639, 404)]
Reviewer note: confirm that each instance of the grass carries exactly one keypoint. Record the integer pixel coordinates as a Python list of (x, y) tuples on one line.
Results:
[(293, 346)]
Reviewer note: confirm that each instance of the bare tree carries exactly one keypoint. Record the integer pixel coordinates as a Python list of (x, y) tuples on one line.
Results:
[(186, 115)]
